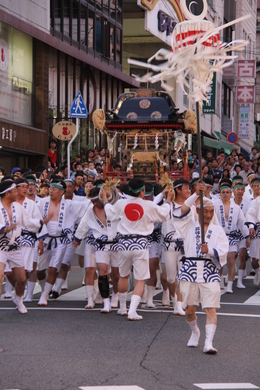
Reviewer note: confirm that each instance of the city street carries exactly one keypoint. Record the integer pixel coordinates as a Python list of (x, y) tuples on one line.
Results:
[(65, 347)]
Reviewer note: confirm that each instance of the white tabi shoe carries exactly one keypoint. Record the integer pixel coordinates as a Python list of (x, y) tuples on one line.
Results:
[(210, 350), (98, 299), (165, 298), (122, 312), (43, 301), (240, 285), (194, 339), (134, 317), (90, 305), (114, 300), (178, 310), (18, 301), (107, 306)]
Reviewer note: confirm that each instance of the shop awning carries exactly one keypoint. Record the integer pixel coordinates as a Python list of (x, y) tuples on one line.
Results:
[(221, 143)]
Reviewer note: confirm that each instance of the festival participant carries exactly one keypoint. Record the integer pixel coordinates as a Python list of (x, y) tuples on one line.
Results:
[(61, 282), (104, 233), (232, 220), (154, 251), (32, 191), (248, 189), (136, 218), (29, 239), (244, 243), (199, 275), (12, 218), (173, 243), (63, 215), (253, 222)]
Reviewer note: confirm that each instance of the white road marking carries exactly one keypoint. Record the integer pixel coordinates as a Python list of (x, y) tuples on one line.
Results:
[(216, 386), (112, 388), (254, 300)]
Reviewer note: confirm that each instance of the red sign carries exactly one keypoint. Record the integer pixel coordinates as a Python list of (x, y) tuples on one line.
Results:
[(245, 94), (232, 137), (246, 68)]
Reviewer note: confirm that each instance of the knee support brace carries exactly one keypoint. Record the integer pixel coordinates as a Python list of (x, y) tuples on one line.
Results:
[(103, 286)]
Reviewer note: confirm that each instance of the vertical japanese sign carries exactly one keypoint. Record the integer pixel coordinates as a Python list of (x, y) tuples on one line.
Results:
[(209, 106), (244, 113)]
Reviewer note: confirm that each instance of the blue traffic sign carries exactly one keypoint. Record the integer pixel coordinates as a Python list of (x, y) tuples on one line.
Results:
[(232, 137), (78, 108)]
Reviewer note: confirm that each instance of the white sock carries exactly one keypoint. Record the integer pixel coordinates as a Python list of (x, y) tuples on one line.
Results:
[(195, 334), (122, 301), (47, 289), (135, 300), (210, 333), (30, 288), (42, 284), (150, 293), (57, 285), (230, 285), (241, 273), (65, 282), (90, 292), (8, 288)]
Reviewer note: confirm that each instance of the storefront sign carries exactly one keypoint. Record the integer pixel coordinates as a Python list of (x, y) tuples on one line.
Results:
[(161, 17), (244, 114)]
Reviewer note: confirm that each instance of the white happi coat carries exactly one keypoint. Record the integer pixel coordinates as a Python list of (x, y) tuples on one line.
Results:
[(201, 271), (172, 238), (11, 241), (253, 220), (136, 218), (235, 227), (29, 238), (102, 237), (70, 214)]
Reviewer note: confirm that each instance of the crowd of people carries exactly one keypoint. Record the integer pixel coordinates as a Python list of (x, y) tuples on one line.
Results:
[(179, 235)]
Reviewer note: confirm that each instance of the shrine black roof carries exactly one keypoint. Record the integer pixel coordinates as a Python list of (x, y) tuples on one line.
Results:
[(149, 106)]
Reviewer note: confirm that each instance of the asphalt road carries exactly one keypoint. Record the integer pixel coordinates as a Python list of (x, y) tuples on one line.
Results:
[(65, 347)]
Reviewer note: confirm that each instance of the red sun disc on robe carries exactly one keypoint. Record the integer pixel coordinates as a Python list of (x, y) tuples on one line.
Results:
[(134, 212)]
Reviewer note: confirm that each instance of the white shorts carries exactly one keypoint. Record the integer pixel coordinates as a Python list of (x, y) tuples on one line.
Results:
[(233, 248), (69, 253), (155, 250), (254, 248), (139, 259), (28, 257), (242, 243), (89, 256), (52, 258), (13, 259), (80, 250), (208, 294), (107, 257), (172, 264)]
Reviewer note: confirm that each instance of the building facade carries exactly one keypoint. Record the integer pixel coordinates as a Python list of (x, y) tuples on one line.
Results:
[(51, 49)]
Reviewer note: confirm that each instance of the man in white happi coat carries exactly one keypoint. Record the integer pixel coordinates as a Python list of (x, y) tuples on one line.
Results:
[(104, 233), (13, 217), (232, 220), (244, 243), (62, 278), (63, 215), (136, 218), (199, 275), (253, 222), (173, 243)]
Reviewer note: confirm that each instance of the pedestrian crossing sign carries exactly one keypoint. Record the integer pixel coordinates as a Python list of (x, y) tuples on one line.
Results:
[(78, 108)]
